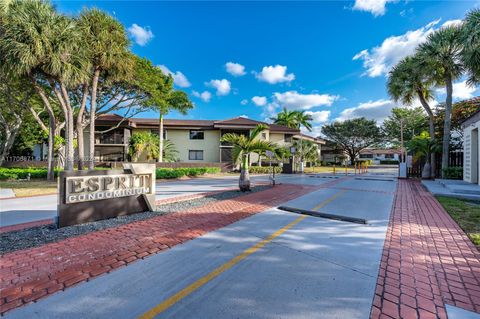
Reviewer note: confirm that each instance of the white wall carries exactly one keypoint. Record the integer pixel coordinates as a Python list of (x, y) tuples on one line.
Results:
[(471, 147)]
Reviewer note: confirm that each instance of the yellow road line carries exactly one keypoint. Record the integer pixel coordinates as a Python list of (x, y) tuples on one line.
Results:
[(202, 281), (161, 307), (328, 200)]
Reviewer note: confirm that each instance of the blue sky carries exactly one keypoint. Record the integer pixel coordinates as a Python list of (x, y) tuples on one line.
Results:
[(327, 57)]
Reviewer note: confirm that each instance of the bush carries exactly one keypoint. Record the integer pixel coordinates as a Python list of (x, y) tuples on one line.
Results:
[(264, 169), (22, 173), (389, 162), (453, 172), (169, 173), (364, 161)]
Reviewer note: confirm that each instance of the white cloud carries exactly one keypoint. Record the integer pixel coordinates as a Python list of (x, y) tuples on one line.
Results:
[(379, 60), (222, 86), (295, 100), (179, 78), (259, 100), (141, 35), (244, 116), (244, 102), (205, 96), (461, 90), (275, 74), (376, 7), (319, 116), (376, 110), (235, 69), (450, 23)]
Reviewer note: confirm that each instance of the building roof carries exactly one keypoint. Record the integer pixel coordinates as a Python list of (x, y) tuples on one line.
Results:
[(236, 122), (475, 117), (316, 140), (380, 151)]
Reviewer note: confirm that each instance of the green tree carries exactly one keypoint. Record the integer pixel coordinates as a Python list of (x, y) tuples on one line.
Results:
[(410, 79), (45, 47), (353, 135), (414, 121), (243, 146), (441, 53), (471, 43), (307, 150), (286, 118), (106, 46), (423, 146)]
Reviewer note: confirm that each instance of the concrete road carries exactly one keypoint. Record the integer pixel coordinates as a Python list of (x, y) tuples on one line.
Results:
[(272, 265)]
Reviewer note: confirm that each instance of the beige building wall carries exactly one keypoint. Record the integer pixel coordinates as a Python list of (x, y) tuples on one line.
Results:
[(210, 145)]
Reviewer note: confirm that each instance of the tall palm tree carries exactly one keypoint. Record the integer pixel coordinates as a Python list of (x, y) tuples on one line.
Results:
[(38, 43), (441, 52), (242, 147), (471, 43), (107, 50), (409, 79), (286, 118)]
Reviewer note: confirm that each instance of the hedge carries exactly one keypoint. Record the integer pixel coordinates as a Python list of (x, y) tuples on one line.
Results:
[(264, 169), (169, 173), (389, 162), (454, 172), (22, 173)]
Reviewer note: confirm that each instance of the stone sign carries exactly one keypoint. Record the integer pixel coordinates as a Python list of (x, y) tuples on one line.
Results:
[(86, 196)]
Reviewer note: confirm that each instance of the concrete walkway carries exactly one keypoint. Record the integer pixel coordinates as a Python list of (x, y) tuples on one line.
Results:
[(270, 265)]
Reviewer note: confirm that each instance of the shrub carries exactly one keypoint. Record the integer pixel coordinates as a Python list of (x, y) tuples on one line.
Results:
[(389, 162), (453, 172), (169, 173), (365, 161), (264, 169), (22, 173)]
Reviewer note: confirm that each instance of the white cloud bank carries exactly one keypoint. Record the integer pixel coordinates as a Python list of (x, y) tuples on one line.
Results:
[(298, 101), (377, 110), (222, 86), (461, 90), (259, 100), (235, 69), (275, 74), (375, 7), (141, 35), (179, 78), (205, 96), (319, 116), (380, 59)]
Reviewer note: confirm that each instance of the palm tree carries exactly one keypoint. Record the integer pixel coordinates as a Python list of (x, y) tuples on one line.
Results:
[(286, 118), (471, 43), (45, 47), (243, 146), (408, 80), (177, 101), (441, 52), (422, 145), (107, 47)]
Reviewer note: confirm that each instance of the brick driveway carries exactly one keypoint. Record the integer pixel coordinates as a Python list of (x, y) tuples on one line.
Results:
[(30, 274), (427, 261)]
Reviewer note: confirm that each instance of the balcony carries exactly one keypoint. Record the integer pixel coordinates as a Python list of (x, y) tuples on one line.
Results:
[(115, 137)]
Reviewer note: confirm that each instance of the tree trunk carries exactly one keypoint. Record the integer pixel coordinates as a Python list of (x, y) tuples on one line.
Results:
[(80, 139), (160, 138), (244, 181), (70, 147), (447, 124), (431, 124), (51, 145), (93, 105), (426, 171)]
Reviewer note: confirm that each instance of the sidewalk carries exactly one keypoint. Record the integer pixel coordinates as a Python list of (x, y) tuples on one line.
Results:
[(30, 274), (427, 262)]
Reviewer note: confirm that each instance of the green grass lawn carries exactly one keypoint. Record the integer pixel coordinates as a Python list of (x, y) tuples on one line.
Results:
[(466, 214), (32, 187)]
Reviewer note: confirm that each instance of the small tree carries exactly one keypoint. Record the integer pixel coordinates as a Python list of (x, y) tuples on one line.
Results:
[(146, 144), (423, 146), (353, 135), (414, 122), (243, 146)]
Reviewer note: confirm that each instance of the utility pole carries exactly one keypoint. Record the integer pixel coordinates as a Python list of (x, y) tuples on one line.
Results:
[(401, 140)]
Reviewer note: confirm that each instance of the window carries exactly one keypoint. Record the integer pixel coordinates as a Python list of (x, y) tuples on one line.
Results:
[(196, 135), (194, 155), (288, 138), (364, 155), (264, 136), (389, 156)]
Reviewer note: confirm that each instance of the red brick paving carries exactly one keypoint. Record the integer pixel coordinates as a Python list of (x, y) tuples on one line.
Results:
[(427, 261), (30, 274)]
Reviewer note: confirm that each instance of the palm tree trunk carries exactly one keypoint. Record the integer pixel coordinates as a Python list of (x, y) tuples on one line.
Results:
[(431, 124), (93, 105), (244, 181), (160, 143), (447, 123), (80, 138), (70, 151)]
